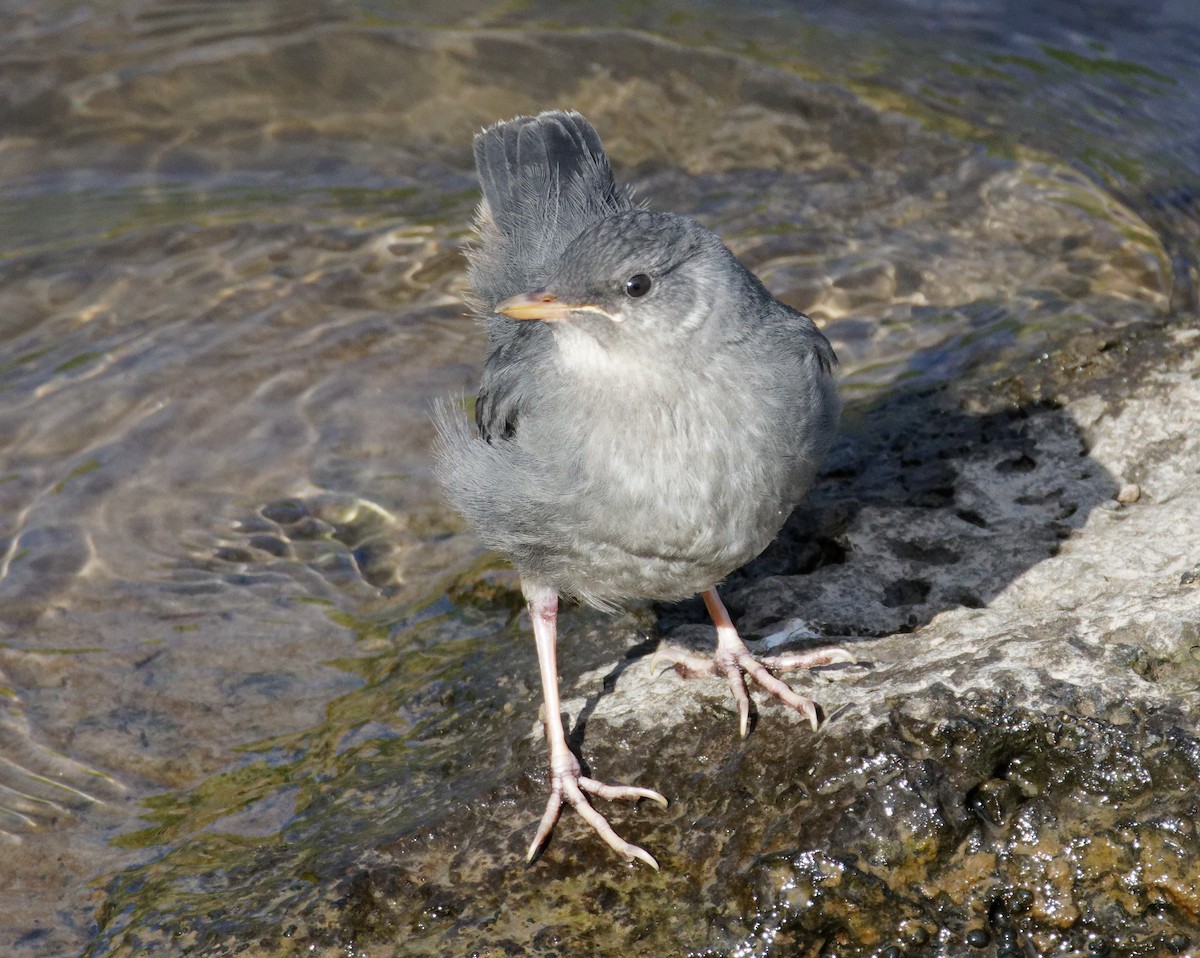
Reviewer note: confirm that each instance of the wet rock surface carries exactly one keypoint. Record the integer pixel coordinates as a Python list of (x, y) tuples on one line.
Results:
[(1010, 770)]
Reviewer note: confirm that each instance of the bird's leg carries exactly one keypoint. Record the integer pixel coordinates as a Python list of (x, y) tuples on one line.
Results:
[(734, 661), (566, 783)]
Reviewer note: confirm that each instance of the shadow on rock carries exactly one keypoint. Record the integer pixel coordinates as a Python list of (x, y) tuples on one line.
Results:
[(924, 506)]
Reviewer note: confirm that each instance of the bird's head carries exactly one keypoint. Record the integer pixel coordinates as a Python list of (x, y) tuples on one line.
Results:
[(637, 279)]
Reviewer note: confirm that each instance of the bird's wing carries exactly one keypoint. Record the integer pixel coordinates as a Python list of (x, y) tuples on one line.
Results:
[(544, 179), (509, 374), (826, 357)]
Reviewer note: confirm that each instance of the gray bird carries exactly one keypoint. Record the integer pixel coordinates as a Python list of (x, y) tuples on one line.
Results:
[(647, 419)]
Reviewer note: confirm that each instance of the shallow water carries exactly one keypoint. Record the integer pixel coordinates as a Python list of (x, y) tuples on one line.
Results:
[(230, 288)]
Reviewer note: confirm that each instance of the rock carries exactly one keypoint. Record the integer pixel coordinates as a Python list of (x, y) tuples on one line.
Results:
[(1013, 763), (1130, 492), (1019, 755)]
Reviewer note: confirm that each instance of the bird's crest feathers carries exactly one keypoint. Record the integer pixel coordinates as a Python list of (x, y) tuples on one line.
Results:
[(544, 179)]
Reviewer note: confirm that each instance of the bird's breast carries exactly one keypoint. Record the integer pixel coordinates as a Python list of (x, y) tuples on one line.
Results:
[(694, 474)]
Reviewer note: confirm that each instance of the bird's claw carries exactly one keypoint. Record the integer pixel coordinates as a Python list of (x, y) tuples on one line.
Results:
[(687, 664), (735, 662), (567, 785), (791, 661)]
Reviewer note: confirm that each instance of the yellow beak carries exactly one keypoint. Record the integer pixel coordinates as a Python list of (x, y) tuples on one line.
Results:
[(545, 306)]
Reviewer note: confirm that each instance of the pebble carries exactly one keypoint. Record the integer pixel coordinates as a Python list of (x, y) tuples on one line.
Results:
[(1130, 492)]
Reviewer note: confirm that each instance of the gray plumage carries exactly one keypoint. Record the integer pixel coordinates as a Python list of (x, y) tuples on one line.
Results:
[(647, 417), (648, 445)]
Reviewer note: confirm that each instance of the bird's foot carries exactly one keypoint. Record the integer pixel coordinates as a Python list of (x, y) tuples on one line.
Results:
[(568, 785), (734, 662)]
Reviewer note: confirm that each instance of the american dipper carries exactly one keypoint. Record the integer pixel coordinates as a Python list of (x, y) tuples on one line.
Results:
[(648, 414)]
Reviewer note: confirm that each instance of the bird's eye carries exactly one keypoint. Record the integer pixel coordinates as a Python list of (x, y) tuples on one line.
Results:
[(638, 285)]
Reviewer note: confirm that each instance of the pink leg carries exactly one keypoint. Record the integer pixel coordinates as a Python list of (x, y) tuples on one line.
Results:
[(734, 661), (566, 784)]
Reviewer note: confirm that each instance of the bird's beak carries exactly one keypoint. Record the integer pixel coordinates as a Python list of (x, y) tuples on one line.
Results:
[(543, 305)]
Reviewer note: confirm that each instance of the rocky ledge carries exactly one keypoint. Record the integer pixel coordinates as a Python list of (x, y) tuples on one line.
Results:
[(1011, 769)]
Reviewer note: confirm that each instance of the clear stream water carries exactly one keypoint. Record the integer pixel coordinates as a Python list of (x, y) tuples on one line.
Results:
[(230, 288)]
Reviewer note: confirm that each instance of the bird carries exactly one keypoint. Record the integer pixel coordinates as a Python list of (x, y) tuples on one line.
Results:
[(648, 416)]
